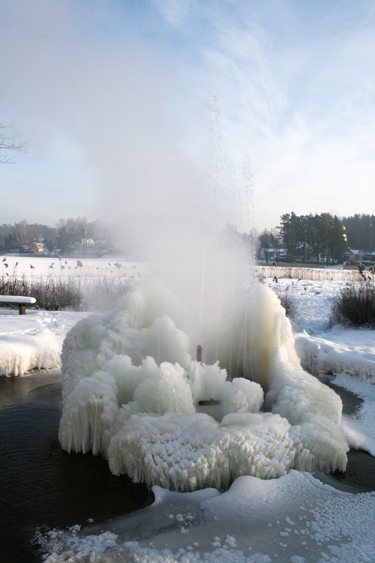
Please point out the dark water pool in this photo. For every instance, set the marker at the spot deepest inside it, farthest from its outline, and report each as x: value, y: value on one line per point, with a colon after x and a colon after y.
x: 360, y: 470
x: 43, y: 486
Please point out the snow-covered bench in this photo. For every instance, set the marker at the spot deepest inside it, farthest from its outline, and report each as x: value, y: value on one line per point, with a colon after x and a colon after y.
x: 21, y: 300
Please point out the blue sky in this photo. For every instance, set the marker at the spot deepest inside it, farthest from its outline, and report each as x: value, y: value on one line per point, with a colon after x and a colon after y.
x: 115, y: 101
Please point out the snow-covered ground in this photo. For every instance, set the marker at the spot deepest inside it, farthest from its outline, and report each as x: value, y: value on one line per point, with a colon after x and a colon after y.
x: 294, y: 519
x: 33, y: 341
x: 347, y: 354
x: 321, y: 348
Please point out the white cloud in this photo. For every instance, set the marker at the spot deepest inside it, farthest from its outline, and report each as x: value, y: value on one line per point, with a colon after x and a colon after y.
x: 174, y: 11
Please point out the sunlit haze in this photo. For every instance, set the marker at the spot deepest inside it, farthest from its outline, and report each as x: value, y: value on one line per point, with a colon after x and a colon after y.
x: 116, y: 102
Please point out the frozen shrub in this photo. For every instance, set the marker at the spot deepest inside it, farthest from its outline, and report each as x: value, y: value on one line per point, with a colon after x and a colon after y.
x: 57, y: 294
x: 354, y: 306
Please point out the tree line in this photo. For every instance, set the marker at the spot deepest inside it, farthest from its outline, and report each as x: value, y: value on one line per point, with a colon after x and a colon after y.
x: 308, y: 237
x: 317, y: 237
x: 298, y: 237
x: 360, y: 231
x: 64, y: 237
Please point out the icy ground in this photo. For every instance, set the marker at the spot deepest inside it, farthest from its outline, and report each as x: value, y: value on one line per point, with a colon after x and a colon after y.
x: 293, y: 519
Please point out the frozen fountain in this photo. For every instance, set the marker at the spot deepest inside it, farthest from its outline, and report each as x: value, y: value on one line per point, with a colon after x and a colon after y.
x: 134, y: 393
x: 145, y: 415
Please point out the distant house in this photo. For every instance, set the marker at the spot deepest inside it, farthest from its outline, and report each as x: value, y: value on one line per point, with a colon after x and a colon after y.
x: 273, y: 254
x: 368, y: 256
x: 353, y: 256
x: 357, y: 256
x: 38, y: 247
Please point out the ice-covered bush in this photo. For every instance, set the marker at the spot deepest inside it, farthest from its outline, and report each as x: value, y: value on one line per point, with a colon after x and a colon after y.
x: 355, y: 306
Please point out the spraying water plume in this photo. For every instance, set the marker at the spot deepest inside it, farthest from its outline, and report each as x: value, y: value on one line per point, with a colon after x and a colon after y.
x: 133, y: 392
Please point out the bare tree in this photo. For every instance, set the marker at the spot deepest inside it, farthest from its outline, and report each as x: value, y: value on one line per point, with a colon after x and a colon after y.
x: 9, y: 142
x: 21, y: 233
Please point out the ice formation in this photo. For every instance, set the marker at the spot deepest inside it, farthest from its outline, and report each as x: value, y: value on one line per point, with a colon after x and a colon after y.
x: 132, y: 393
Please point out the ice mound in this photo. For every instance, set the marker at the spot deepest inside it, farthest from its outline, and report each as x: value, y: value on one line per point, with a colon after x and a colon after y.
x: 131, y: 393
x: 141, y: 327
x: 241, y: 395
x: 89, y: 410
x: 189, y: 452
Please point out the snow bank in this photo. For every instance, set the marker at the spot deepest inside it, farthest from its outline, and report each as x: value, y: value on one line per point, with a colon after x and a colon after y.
x: 32, y: 341
x: 25, y: 353
x: 131, y: 392
x: 339, y: 352
x: 359, y: 429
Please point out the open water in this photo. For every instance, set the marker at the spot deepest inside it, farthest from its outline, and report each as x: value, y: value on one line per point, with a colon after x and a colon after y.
x: 41, y: 485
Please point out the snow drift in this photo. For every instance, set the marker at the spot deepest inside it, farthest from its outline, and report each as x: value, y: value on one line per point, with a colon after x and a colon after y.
x: 33, y: 341
x: 337, y: 353
x: 132, y: 393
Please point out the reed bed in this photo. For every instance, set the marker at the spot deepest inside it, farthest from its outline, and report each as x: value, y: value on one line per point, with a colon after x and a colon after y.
x: 314, y: 274
x: 55, y: 293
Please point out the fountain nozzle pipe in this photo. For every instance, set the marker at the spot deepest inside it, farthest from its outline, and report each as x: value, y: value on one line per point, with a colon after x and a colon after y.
x: 199, y: 353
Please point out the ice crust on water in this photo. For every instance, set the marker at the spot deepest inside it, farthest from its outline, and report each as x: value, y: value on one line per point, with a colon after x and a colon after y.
x: 130, y: 393
x: 294, y: 519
